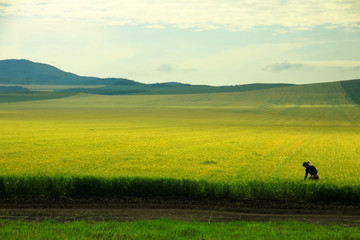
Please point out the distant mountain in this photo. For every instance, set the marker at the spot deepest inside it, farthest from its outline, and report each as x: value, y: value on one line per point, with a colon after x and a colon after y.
x: 16, y: 76
x: 25, y: 72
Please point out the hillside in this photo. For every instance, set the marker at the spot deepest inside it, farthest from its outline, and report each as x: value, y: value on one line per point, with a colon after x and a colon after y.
x: 352, y: 90
x: 13, y: 89
x: 320, y: 94
x: 26, y: 72
x: 163, y: 88
x: 310, y: 95
x: 18, y: 76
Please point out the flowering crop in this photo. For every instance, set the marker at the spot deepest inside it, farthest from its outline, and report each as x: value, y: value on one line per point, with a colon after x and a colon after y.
x: 214, y: 139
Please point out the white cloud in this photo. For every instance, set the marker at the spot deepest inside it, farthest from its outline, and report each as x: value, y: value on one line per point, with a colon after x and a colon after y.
x: 169, y: 68
x: 332, y: 63
x: 4, y: 4
x: 236, y: 57
x: 165, y: 68
x: 296, y: 65
x: 276, y: 67
x: 198, y: 14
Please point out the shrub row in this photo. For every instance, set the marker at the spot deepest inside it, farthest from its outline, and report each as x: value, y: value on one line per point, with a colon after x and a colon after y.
x: 91, y: 186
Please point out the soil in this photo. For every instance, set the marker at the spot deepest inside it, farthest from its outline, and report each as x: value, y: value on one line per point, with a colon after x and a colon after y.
x: 205, y: 210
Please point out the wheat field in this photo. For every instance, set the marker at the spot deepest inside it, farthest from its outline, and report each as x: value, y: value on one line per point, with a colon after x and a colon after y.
x: 212, y: 137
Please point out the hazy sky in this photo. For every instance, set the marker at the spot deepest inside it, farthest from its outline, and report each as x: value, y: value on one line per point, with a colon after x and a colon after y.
x: 216, y: 42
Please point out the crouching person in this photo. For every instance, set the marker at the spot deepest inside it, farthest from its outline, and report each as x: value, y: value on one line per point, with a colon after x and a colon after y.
x: 309, y: 169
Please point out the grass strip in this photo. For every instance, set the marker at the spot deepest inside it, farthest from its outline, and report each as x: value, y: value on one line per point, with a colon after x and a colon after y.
x: 169, y: 229
x: 92, y: 186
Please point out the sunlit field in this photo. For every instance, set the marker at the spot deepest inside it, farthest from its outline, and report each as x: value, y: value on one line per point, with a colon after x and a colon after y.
x: 233, y: 138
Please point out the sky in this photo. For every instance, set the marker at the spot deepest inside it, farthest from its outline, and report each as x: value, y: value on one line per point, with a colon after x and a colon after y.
x: 213, y: 42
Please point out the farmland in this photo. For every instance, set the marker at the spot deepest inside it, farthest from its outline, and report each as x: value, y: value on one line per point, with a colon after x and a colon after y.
x: 239, y: 146
x: 227, y: 143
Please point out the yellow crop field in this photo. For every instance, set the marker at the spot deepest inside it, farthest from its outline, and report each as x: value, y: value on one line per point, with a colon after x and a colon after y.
x: 229, y: 138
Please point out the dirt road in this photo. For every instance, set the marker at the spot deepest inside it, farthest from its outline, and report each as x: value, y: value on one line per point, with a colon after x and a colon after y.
x: 129, y: 209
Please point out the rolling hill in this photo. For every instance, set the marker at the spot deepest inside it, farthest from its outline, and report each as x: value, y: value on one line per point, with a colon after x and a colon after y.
x: 310, y: 95
x: 352, y: 90
x: 27, y: 73
x: 17, y: 75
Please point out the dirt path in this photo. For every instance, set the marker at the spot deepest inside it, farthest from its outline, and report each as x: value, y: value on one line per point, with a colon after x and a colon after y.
x: 178, y: 209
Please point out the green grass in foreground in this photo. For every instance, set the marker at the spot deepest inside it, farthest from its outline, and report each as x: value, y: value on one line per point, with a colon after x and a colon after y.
x: 169, y: 229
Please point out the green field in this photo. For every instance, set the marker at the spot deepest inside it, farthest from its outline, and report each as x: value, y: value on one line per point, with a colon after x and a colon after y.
x: 242, y: 144
x: 168, y: 229
x: 6, y: 97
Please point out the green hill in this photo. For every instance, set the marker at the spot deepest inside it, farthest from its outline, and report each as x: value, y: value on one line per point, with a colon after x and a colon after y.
x: 352, y: 90
x: 26, y: 72
x: 309, y: 95
x: 24, y: 96
x: 320, y: 94
x: 163, y: 88
x: 16, y: 75
x: 13, y: 89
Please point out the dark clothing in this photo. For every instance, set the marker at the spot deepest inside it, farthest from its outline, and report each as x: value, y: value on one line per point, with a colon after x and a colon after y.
x: 310, y: 170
